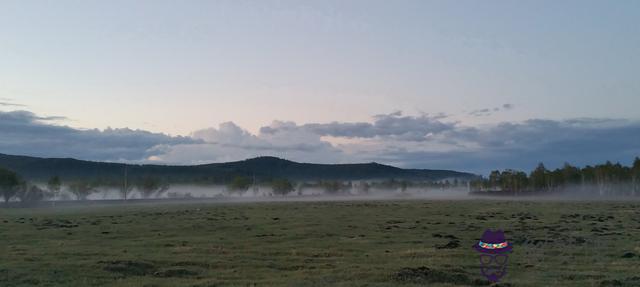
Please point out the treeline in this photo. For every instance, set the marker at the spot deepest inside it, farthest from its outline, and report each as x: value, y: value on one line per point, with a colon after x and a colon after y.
x: 338, y: 187
x: 14, y: 187
x: 602, y: 179
x: 242, y: 184
x: 262, y: 168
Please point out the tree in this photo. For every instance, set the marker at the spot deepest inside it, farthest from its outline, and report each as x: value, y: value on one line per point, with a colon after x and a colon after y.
x: 240, y: 184
x: 364, y: 187
x: 521, y: 181
x: 81, y: 189
x: 571, y: 174
x: 126, y: 188
x: 513, y: 180
x: 9, y: 184
x: 53, y: 186
x: 603, y: 177
x: 494, y: 179
x: 588, y: 177
x: 331, y: 187
x: 403, y: 185
x: 149, y: 186
x: 635, y: 176
x: 539, y: 178
x: 281, y: 186
x: 30, y: 195
x: 606, y: 179
x: 21, y: 190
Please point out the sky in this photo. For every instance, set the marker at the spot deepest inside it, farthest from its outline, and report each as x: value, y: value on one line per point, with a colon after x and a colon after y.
x: 466, y: 85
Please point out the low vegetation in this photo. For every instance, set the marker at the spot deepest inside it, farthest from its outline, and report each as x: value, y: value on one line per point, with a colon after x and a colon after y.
x: 358, y: 243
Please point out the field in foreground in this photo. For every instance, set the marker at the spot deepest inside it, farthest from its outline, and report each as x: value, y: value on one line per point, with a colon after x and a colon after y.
x: 369, y: 243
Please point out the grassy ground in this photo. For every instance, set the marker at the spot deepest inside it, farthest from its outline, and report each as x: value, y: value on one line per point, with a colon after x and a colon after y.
x: 318, y: 244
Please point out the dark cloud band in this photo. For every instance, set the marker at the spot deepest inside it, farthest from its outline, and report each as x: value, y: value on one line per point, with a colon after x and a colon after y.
x: 409, y: 141
x: 23, y: 132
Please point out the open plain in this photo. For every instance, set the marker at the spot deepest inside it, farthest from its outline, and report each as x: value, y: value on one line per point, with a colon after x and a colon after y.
x: 332, y: 243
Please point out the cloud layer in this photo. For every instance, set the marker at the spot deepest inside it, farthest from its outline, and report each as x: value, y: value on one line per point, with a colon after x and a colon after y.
x: 391, y: 126
x: 421, y: 141
x: 24, y: 133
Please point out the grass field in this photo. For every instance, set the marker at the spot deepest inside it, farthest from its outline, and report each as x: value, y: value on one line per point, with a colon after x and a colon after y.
x: 352, y: 243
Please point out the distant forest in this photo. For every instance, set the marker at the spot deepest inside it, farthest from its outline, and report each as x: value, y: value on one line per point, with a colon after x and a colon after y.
x: 270, y: 174
x: 606, y: 179
x: 261, y: 168
x: 29, y: 180
x: 27, y: 193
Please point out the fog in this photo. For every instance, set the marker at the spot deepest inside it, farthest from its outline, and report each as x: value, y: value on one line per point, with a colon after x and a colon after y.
x: 265, y: 193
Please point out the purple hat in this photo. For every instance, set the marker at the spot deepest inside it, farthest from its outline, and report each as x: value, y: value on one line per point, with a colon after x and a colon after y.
x: 493, y: 242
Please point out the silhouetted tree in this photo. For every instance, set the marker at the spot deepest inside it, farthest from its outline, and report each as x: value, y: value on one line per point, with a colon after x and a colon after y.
x: 571, y: 175
x: 539, y: 178
x: 281, y: 186
x: 150, y: 186
x: 53, y: 186
x: 635, y: 177
x: 30, y: 195
x: 494, y: 179
x: 126, y: 187
x: 9, y: 184
x: 81, y: 189
x: 403, y: 185
x: 240, y: 184
x: 605, y: 179
x: 364, y: 187
x: 331, y: 187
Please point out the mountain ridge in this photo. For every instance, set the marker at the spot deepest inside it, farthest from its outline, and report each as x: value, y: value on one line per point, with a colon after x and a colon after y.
x: 264, y: 167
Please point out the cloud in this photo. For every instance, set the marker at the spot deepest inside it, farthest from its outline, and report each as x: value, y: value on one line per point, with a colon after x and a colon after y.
x: 490, y: 111
x: 5, y: 102
x: 420, y: 141
x: 522, y: 145
x: 394, y: 125
x: 426, y: 142
x: 25, y: 133
x: 229, y: 142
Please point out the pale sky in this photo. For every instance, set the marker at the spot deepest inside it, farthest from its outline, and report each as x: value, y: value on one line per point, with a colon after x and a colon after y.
x: 176, y: 67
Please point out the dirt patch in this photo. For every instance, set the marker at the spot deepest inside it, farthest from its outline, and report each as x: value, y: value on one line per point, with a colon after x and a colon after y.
x: 176, y: 272
x: 191, y: 263
x: 424, y: 275
x: 607, y: 283
x: 129, y: 268
x: 450, y: 245
x: 60, y: 223
x: 629, y: 281
x: 629, y: 255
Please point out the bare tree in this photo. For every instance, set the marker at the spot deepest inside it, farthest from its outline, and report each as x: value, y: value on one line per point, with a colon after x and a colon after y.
x: 635, y: 176
x: 30, y: 195
x: 151, y: 186
x: 126, y: 188
x: 53, y: 187
x: 81, y: 189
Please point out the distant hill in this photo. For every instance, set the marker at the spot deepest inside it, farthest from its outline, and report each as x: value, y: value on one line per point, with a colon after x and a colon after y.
x: 263, y: 168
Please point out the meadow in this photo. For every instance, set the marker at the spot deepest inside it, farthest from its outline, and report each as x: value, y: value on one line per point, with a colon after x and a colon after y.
x: 332, y: 243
